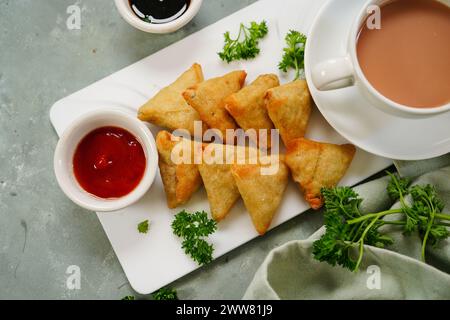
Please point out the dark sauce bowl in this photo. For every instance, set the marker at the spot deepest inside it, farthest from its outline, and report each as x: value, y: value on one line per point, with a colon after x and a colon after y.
x: 158, y: 26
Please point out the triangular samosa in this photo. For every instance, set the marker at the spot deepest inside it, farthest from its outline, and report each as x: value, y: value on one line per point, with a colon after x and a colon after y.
x: 208, y: 99
x: 289, y: 108
x: 168, y: 109
x: 215, y: 170
x: 316, y: 165
x: 216, y: 174
x: 248, y: 109
x: 180, y: 180
x: 262, y: 192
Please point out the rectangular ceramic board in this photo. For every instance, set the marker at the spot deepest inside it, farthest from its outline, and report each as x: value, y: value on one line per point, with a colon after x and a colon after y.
x: 155, y: 259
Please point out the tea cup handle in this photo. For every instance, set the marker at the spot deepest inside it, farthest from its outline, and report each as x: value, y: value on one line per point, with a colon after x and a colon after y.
x: 333, y: 74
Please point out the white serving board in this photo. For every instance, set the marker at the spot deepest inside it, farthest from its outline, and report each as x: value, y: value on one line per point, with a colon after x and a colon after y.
x: 154, y: 260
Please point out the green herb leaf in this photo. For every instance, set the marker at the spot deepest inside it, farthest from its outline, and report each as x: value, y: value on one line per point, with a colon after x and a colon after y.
x: 193, y: 228
x: 245, y: 46
x: 143, y: 226
x: 128, y: 298
x: 397, y: 187
x: 199, y: 250
x: 348, y: 230
x: 294, y: 53
x: 165, y: 294
x: 337, y: 244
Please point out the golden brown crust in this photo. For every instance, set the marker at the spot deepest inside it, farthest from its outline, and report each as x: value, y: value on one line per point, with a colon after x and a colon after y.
x: 289, y: 108
x: 215, y: 170
x: 220, y: 187
x: 262, y: 192
x: 316, y: 165
x: 247, y: 106
x: 168, y: 109
x: 180, y: 180
x: 207, y: 98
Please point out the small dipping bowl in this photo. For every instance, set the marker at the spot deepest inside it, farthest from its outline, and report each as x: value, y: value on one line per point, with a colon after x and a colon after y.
x: 69, y: 141
x: 124, y: 8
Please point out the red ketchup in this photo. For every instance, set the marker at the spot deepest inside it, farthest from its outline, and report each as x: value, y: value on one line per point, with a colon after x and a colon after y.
x: 109, y: 162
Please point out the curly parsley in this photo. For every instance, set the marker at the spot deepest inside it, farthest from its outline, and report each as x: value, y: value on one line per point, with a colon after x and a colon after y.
x: 193, y: 228
x: 245, y: 46
x: 143, y: 226
x: 347, y: 228
x: 165, y: 294
x: 294, y: 53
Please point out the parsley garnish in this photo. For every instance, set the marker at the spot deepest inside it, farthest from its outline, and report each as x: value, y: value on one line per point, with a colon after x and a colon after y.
x: 193, y: 228
x: 294, y: 53
x: 348, y: 229
x: 161, y: 294
x: 245, y: 46
x: 143, y: 226
x: 165, y: 294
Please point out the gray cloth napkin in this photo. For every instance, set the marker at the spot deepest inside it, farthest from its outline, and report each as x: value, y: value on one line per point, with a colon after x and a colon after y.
x: 291, y: 272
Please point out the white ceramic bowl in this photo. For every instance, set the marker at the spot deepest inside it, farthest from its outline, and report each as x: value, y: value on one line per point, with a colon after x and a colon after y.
x: 127, y: 13
x: 65, y: 149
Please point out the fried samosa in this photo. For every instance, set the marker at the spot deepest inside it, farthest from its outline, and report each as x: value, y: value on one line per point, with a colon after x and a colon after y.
x: 180, y: 180
x: 207, y: 98
x: 215, y: 170
x: 220, y: 187
x: 248, y: 109
x: 262, y: 193
x: 289, y: 108
x: 168, y: 109
x: 316, y: 165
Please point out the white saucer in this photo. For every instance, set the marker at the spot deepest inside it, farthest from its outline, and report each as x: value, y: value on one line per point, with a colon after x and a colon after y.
x: 351, y: 114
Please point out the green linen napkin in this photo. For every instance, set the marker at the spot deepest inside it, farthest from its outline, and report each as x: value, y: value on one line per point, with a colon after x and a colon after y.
x: 291, y: 272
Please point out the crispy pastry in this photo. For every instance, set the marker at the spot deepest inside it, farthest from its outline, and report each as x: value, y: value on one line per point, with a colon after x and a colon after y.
x: 180, y: 180
x: 316, y: 165
x: 220, y: 187
x: 289, y: 108
x: 168, y: 109
x: 247, y: 106
x: 208, y: 99
x: 262, y: 193
x: 215, y: 170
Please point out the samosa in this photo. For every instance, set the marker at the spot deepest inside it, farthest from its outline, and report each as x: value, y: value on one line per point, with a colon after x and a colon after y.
x: 315, y: 165
x: 248, y: 109
x: 289, y: 108
x: 261, y: 191
x: 182, y: 179
x: 207, y: 98
x: 168, y: 109
x: 215, y: 170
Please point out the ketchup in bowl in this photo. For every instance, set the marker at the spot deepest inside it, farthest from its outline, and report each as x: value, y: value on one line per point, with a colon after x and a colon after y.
x: 109, y: 162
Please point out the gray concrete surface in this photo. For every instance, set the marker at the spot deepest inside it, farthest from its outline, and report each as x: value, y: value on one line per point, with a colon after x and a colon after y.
x: 41, y: 231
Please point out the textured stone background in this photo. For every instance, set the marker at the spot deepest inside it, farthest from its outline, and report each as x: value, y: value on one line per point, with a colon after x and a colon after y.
x: 41, y: 231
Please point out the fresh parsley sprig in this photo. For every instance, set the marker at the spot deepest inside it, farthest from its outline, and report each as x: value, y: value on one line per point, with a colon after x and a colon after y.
x: 161, y: 294
x: 294, y: 53
x: 245, y: 46
x: 348, y: 230
x: 193, y: 228
x: 165, y: 294
x: 143, y: 226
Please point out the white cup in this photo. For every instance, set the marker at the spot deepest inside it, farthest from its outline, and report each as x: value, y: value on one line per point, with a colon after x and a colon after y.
x: 65, y: 149
x: 345, y: 71
x: 129, y: 16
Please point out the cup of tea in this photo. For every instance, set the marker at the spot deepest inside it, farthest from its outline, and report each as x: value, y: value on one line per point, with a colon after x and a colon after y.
x: 397, y: 56
x: 158, y: 16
